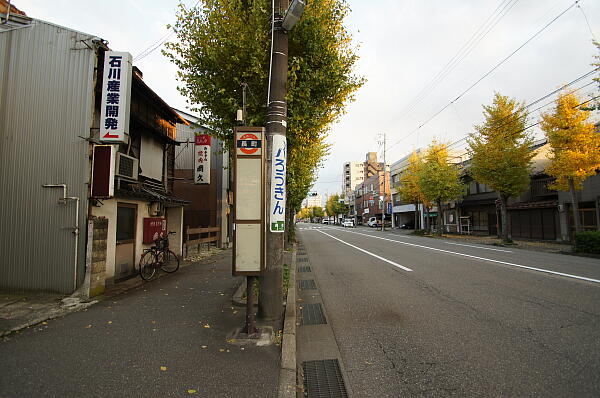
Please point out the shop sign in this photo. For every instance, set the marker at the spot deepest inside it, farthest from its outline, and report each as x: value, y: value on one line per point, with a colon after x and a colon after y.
x: 202, y: 159
x: 278, y: 188
x: 116, y: 97
x: 154, y: 228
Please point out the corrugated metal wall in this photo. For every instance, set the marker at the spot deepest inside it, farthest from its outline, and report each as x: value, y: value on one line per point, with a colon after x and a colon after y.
x: 46, y: 94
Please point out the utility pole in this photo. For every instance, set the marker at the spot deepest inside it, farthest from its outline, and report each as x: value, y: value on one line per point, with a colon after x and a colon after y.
x: 270, y: 301
x: 384, y: 204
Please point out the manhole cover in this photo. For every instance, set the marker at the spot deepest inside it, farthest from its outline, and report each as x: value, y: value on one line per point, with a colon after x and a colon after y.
x: 305, y: 268
x: 312, y: 314
x: 307, y: 284
x: 323, y: 379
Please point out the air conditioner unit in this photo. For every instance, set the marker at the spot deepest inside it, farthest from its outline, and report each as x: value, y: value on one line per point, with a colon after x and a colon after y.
x: 126, y: 166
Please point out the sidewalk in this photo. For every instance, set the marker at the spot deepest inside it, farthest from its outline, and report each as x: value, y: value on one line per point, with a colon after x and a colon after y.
x: 541, y: 246
x: 168, y: 337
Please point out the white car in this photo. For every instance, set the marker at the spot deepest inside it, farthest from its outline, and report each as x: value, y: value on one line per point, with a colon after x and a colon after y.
x: 348, y: 222
x: 373, y: 222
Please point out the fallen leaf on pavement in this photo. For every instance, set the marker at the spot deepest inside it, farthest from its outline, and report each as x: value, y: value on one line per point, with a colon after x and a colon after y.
x: 88, y: 326
x: 207, y: 326
x: 204, y: 346
x: 109, y: 322
x: 190, y: 391
x: 163, y: 368
x: 221, y: 350
x: 44, y: 323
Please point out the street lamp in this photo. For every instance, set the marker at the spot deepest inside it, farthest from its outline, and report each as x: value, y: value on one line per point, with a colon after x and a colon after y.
x: 293, y: 14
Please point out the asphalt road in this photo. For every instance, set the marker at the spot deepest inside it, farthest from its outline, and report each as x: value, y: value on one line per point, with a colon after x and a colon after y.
x: 416, y: 316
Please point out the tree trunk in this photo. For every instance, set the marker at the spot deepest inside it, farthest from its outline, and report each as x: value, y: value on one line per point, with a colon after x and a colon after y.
x: 427, y: 220
x: 290, y: 227
x: 504, y: 221
x: 416, y: 215
x: 575, y: 206
x: 440, y: 219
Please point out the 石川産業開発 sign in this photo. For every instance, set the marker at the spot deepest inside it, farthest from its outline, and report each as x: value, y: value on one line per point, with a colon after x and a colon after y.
x: 116, y: 97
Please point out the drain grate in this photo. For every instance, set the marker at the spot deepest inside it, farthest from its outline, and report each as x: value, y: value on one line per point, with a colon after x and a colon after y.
x: 303, y: 260
x: 307, y: 284
x: 305, y: 268
x: 323, y: 379
x: 312, y: 314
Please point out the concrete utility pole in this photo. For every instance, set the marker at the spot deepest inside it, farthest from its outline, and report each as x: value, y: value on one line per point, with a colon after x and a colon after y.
x: 270, y: 303
x: 383, y: 195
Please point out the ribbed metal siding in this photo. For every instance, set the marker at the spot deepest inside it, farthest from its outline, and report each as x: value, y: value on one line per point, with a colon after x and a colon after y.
x: 46, y: 89
x: 184, y: 153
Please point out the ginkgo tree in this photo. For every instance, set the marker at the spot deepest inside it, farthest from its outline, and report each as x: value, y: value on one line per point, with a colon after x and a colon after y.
x: 501, y: 153
x: 439, y: 179
x: 575, y: 147
x: 409, y: 187
x: 224, y: 43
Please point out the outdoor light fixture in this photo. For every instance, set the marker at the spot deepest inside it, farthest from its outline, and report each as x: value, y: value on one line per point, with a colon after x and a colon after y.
x: 293, y: 14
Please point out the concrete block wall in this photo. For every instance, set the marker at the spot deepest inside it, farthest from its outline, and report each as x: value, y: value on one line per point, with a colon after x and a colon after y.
x: 98, y: 266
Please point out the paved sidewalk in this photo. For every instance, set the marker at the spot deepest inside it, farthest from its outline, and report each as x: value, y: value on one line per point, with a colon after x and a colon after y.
x: 169, y: 337
x: 541, y: 246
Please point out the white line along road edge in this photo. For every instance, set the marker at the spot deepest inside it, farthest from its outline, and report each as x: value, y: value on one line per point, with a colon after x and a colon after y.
x: 369, y: 253
x: 583, y: 278
x: 479, y: 247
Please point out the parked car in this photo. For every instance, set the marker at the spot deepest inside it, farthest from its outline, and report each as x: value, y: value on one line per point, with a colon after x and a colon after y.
x: 374, y: 222
x: 325, y: 221
x: 348, y: 222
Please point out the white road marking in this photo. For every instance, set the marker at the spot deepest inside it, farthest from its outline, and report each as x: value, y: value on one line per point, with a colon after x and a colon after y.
x: 369, y: 253
x: 482, y: 258
x: 479, y: 247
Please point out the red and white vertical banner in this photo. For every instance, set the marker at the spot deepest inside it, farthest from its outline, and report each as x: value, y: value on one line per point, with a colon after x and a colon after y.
x: 116, y: 97
x: 202, y: 159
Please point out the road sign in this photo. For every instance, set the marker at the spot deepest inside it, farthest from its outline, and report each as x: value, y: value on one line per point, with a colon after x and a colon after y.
x: 248, y: 143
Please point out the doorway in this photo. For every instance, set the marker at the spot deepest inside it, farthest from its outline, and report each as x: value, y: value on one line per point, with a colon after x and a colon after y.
x: 125, y: 250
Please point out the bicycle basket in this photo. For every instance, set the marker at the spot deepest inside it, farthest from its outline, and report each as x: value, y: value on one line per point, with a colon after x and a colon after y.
x: 160, y: 243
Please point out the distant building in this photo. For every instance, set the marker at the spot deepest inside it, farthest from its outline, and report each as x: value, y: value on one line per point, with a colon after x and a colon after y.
x: 313, y: 200
x: 353, y: 173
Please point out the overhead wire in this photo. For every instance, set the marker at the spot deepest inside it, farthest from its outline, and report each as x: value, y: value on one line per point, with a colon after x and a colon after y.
x: 462, y: 53
x: 157, y: 44
x: 485, y: 75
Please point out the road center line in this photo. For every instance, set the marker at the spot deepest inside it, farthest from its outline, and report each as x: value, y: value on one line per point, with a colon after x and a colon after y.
x: 479, y: 247
x: 369, y: 253
x: 479, y: 258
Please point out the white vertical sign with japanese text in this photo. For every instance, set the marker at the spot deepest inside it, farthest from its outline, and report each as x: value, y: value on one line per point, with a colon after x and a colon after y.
x: 202, y: 159
x: 278, y: 186
x: 116, y: 97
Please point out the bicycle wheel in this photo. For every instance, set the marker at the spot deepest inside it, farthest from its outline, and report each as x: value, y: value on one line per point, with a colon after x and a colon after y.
x: 148, y: 265
x: 169, y: 262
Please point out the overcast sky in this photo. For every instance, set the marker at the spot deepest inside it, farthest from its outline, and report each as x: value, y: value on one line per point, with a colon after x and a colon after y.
x: 402, y: 46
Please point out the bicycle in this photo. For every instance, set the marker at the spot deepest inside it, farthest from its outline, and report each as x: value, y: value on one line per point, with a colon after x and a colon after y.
x: 158, y: 256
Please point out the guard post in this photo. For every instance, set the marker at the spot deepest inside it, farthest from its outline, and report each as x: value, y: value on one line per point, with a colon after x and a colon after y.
x: 249, y: 213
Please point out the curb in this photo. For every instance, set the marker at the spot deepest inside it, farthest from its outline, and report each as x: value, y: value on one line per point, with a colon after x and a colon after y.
x: 53, y: 313
x: 287, y: 373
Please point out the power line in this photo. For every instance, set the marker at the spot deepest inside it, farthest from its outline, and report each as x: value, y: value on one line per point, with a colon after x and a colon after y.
x: 157, y: 44
x: 587, y: 22
x: 486, y: 74
x: 462, y: 53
